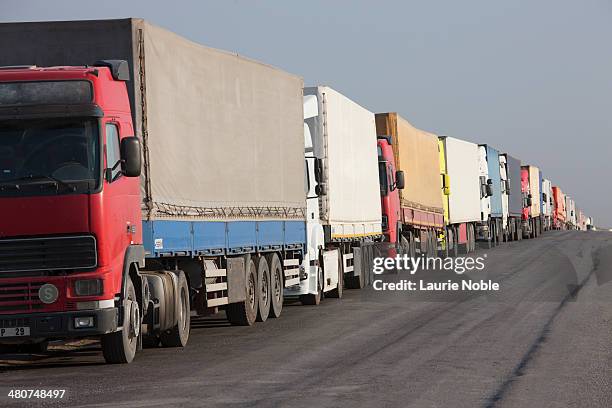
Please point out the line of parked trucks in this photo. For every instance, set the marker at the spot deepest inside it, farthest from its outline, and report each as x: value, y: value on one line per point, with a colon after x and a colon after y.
x: 145, y: 178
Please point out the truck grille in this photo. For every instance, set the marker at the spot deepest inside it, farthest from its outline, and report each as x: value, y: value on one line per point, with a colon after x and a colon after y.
x: 20, y: 297
x: 48, y: 254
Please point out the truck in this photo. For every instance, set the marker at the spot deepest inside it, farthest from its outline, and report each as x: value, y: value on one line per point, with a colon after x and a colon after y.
x: 570, y: 208
x: 512, y: 196
x: 462, y: 190
x: 581, y: 219
x: 344, y: 150
x: 391, y: 182
x: 547, y: 204
x: 491, y: 227
x: 419, y: 221
x: 532, y: 208
x: 147, y: 178
x: 590, y: 224
x: 559, y: 213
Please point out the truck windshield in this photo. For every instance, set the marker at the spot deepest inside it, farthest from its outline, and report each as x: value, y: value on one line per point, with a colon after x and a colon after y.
x: 49, y: 156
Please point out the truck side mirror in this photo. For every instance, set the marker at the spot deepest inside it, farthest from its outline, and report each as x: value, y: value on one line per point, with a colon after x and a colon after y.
x: 508, y: 186
x: 131, y: 156
x: 529, y: 201
x: 318, y: 170
x: 320, y: 190
x: 446, y: 184
x: 399, y: 179
x: 489, y: 189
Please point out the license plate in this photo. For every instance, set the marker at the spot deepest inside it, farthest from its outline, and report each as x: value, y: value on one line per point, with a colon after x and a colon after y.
x: 14, y: 331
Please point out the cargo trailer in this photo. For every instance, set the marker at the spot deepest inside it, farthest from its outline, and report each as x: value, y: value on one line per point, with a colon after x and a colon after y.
x: 462, y: 175
x: 570, y: 208
x: 490, y: 228
x: 414, y: 152
x: 559, y: 212
x: 178, y: 183
x: 343, y: 138
x: 547, y: 204
x: 532, y: 210
x: 512, y: 196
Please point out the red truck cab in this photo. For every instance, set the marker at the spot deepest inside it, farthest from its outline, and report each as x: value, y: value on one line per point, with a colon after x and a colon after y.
x: 391, y: 181
x: 527, y: 227
x: 70, y: 202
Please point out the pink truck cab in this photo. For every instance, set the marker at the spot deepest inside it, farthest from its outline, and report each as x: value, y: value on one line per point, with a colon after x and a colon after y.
x: 391, y: 181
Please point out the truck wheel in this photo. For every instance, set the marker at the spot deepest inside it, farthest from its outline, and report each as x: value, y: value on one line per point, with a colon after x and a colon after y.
x: 277, y: 285
x: 179, y: 334
x: 313, y: 300
x: 120, y: 347
x: 263, y: 289
x: 245, y: 313
x: 337, y: 293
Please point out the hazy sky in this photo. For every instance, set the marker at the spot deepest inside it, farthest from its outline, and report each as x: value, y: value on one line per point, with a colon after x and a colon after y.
x: 531, y: 77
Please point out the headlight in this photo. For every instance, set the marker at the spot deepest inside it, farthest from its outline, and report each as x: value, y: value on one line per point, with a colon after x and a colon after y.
x: 88, y: 287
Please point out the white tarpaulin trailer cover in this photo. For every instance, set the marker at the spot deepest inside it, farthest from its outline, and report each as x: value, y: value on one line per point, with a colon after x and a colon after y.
x: 223, y: 135
x: 345, y: 137
x: 462, y: 167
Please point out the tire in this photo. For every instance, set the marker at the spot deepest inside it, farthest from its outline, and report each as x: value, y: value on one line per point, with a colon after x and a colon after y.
x: 455, y: 251
x: 245, y: 313
x: 337, y: 293
x: 277, y: 285
x: 120, y: 347
x: 178, y: 336
x: 263, y: 289
x: 314, y: 300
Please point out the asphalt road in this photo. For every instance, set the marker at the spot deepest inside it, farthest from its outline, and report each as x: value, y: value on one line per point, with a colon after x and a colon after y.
x: 543, y: 340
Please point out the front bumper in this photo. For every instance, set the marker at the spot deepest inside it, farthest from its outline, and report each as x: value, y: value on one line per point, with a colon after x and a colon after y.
x: 59, y: 325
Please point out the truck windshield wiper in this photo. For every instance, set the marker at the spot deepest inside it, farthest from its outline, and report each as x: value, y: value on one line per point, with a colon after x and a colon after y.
x: 57, y: 182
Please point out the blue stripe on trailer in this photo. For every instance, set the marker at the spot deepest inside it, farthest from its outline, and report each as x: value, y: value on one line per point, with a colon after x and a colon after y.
x: 209, y: 238
x: 241, y: 237
x: 194, y: 238
x: 270, y: 235
x: 295, y: 233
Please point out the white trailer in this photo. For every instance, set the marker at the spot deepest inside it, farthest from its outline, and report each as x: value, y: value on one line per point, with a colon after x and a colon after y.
x: 461, y: 159
x: 344, y: 151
